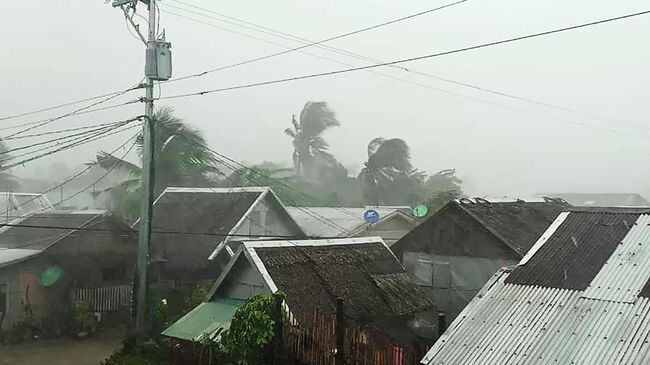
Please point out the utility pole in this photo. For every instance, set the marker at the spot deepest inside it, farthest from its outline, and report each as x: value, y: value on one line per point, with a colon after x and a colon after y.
x: 157, y: 68
x: 146, y: 210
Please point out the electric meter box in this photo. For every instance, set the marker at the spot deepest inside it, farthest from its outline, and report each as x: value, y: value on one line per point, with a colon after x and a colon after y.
x: 159, y: 61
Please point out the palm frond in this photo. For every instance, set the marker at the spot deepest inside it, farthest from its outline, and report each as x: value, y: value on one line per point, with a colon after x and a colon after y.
x: 316, y: 117
x: 393, y: 153
x: 291, y: 133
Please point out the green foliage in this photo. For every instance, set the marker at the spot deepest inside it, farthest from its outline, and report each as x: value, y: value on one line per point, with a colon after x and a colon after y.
x: 83, y: 315
x: 150, y: 353
x: 181, y: 159
x: 251, y: 330
x: 197, y: 296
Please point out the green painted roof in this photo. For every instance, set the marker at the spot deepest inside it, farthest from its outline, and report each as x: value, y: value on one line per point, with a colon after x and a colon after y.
x: 206, y: 318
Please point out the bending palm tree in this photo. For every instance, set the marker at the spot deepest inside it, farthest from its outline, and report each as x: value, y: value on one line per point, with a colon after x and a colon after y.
x: 180, y: 160
x: 310, y: 149
x: 388, y: 176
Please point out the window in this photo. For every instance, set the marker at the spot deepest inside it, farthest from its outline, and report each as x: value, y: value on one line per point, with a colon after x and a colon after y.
x: 424, y: 272
x: 114, y: 273
x: 420, y: 267
x: 4, y: 297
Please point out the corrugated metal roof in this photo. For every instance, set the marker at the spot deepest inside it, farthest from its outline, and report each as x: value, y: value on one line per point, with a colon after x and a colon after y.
x: 204, y: 320
x: 10, y: 255
x: 520, y: 324
x: 605, y: 321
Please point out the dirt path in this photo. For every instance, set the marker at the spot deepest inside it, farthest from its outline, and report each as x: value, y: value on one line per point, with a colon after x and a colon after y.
x: 60, y: 352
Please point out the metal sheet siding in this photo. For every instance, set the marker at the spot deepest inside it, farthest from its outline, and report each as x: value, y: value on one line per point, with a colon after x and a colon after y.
x: 520, y: 324
x: 625, y: 273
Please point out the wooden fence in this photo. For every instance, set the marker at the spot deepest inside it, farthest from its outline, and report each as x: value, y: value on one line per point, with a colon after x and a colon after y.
x: 326, y: 339
x: 107, y: 299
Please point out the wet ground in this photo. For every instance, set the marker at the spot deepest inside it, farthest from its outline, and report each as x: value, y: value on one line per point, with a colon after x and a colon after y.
x: 60, y: 352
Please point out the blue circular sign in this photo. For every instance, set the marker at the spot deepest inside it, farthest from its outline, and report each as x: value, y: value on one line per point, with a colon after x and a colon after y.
x: 371, y: 216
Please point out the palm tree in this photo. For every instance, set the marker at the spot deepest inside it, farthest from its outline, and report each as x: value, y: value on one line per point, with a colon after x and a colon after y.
x: 310, y: 149
x: 181, y: 158
x: 388, y: 177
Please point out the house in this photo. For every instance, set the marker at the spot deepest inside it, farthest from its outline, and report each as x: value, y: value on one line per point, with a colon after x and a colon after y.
x: 457, y: 249
x: 363, y: 272
x: 15, y: 205
x: 602, y: 199
x: 580, y: 296
x: 190, y: 223
x: 50, y: 259
x: 330, y: 222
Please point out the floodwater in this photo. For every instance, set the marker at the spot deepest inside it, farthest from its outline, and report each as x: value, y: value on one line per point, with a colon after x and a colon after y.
x: 61, y: 352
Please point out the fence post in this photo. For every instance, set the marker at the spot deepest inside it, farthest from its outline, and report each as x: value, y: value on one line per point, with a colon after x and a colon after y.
x: 278, y: 331
x: 339, y: 359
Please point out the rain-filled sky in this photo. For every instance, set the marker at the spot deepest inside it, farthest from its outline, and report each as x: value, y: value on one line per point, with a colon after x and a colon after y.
x: 59, y: 51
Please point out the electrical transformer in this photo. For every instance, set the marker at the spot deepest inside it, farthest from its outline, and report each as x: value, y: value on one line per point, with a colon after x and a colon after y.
x: 159, y: 61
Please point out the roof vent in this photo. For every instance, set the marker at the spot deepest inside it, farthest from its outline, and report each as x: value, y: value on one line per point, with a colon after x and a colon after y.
x: 482, y: 201
x: 466, y: 201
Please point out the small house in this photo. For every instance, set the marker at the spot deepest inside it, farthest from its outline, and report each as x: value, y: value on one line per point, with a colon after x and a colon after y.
x: 581, y: 295
x: 363, y: 272
x: 329, y: 222
x: 50, y: 260
x: 457, y: 249
x: 190, y: 223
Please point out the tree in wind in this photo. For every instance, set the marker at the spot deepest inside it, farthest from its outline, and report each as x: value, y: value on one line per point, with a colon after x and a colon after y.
x: 310, y: 155
x: 181, y: 158
x: 388, y: 177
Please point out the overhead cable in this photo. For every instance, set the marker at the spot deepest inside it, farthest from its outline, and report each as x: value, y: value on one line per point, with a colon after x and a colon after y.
x: 405, y: 60
x: 322, y: 41
x: 78, y: 174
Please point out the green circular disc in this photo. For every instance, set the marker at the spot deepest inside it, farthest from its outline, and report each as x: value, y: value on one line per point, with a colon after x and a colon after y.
x: 420, y: 211
x: 51, y: 275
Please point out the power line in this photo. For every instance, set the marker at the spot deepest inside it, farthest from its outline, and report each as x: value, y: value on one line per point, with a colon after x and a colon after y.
x: 294, y: 38
x: 427, y: 86
x: 83, y: 137
x: 73, y: 177
x: 405, y: 60
x: 58, y: 131
x: 107, y: 172
x: 71, y: 145
x: 74, y: 112
x: 63, y: 138
x: 58, y: 106
x: 179, y: 233
x: 322, y: 41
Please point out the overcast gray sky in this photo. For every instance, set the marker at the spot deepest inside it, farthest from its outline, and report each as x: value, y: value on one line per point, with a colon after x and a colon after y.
x: 58, y: 51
